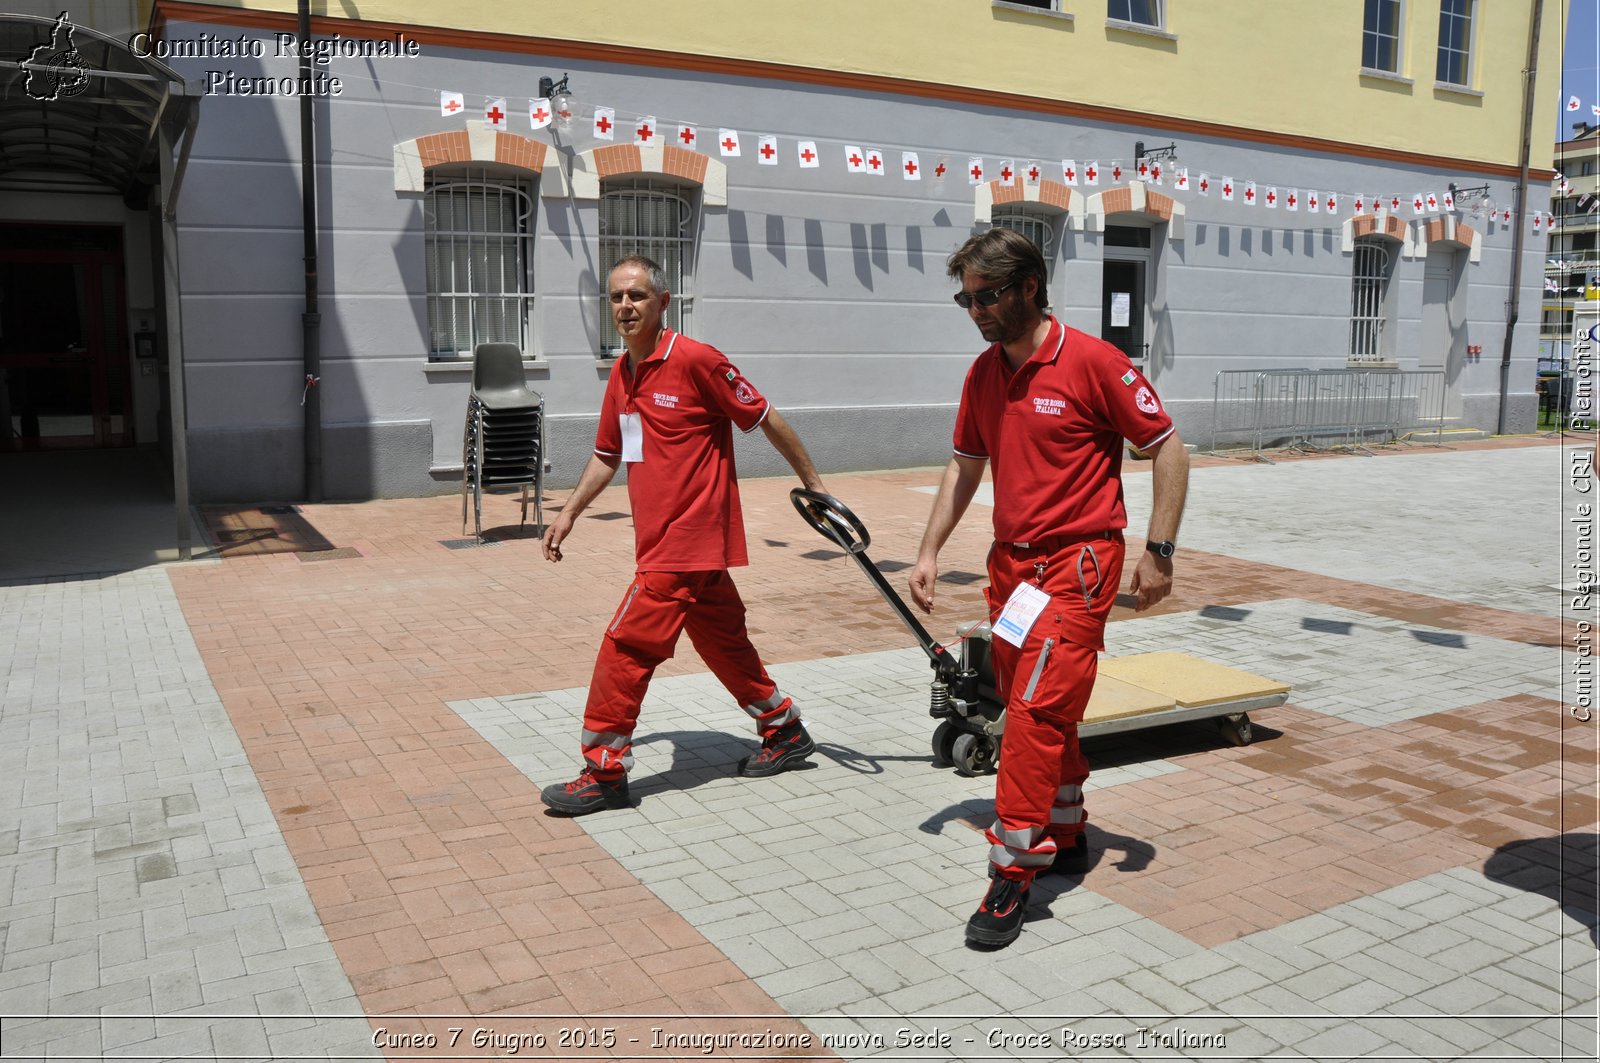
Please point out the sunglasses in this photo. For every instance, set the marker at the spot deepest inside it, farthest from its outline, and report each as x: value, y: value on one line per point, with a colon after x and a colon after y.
x: 984, y: 297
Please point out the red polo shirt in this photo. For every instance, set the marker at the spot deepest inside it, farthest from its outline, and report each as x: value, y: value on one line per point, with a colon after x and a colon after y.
x: 686, y: 515
x: 1053, y: 430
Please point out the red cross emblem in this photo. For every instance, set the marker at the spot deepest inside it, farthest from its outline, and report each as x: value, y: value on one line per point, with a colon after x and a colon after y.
x: 730, y: 144
x: 1227, y: 189
x: 855, y: 160
x: 540, y: 115
x: 1116, y: 173
x: 1205, y: 184
x: 1144, y: 169
x: 645, y: 132
x: 767, y: 151
x: 1005, y: 173
x: 938, y: 171
x: 1155, y: 174
x: 1272, y: 197
x: 496, y: 115
x: 1332, y: 202
x: 453, y: 105
x: 977, y: 173
x: 1072, y: 174
x: 603, y: 124
x: 1090, y: 173
x: 807, y: 155
x: 911, y: 167
x: 1292, y: 201
x: 687, y: 136
x: 1033, y: 173
x: 1249, y: 195
x: 874, y: 161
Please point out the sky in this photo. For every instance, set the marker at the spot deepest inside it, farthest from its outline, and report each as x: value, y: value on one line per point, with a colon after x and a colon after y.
x: 1580, y: 67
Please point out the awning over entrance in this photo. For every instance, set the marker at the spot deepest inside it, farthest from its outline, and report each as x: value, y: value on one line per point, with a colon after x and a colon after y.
x: 78, y: 107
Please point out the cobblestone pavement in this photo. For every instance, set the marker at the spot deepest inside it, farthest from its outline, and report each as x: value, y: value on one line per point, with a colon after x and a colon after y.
x: 285, y: 806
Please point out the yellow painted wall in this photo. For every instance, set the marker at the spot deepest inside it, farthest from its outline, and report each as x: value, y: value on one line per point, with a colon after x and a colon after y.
x: 1285, y: 66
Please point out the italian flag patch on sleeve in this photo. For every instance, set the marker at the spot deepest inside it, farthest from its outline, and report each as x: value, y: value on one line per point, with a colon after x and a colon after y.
x: 1127, y: 378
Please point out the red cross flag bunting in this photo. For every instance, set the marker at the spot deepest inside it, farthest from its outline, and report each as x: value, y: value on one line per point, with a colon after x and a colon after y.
x: 1505, y: 216
x: 1155, y: 174
x: 1182, y: 183
x: 1537, y: 220
x: 1069, y: 172
x: 495, y: 113
x: 854, y: 160
x: 451, y: 103
x: 605, y: 123
x: 875, y: 162
x: 645, y: 131
x: 809, y: 159
x: 1313, y: 202
x: 767, y: 150
x: 1271, y: 198
x: 1359, y: 202
x: 1418, y: 204
x: 1332, y: 203
x: 1116, y: 172
x: 1031, y: 174
x: 1008, y: 173
x: 1249, y: 193
x: 1572, y: 103
x: 1205, y: 184
x: 687, y: 136
x: 1433, y: 203
x: 940, y: 168
x: 1291, y: 202
x: 1227, y: 190
x: 910, y: 169
x: 1144, y: 170
x: 1394, y: 203
x: 539, y: 114
x: 975, y: 170
x: 1449, y: 201
x: 728, y: 143
x: 1091, y: 174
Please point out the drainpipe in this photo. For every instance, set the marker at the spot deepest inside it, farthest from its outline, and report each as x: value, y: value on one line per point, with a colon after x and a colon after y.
x: 311, y: 320
x: 1514, y: 299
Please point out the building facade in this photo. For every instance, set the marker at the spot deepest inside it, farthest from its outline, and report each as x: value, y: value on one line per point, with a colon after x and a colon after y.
x: 1230, y: 224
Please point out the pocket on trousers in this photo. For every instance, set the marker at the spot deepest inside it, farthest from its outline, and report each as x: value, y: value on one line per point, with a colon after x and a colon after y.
x: 650, y: 617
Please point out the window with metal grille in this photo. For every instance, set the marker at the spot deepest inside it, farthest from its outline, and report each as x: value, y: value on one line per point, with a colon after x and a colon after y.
x: 479, y: 247
x: 1380, y: 36
x: 1368, y: 307
x: 1038, y: 228
x: 642, y: 217
x: 1144, y: 12
x: 1455, y: 42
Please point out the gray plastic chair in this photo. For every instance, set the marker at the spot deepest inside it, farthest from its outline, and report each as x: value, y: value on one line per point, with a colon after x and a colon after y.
x: 503, y: 444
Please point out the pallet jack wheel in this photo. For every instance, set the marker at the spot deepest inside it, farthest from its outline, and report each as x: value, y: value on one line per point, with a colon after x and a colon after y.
x: 1236, y: 729
x: 944, y: 740
x: 972, y: 754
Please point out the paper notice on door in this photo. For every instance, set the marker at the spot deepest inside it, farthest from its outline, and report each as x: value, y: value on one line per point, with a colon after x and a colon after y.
x: 1120, y: 302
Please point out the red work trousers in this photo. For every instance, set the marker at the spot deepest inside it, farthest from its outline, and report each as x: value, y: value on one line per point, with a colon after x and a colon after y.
x: 1046, y: 684
x: 644, y: 632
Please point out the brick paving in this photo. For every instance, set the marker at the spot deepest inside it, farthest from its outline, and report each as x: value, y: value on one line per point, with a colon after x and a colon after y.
x: 270, y: 809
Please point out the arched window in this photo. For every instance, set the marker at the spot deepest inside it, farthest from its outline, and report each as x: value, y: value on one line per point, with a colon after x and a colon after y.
x: 1038, y: 227
x: 640, y: 216
x: 1369, y: 290
x: 479, y: 245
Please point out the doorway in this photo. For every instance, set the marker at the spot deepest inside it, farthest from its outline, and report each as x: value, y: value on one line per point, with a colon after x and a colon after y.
x: 1444, y: 318
x: 63, y: 359
x: 1124, y: 292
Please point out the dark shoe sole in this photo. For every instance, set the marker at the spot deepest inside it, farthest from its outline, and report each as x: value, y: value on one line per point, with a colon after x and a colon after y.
x: 792, y: 758
x: 978, y: 935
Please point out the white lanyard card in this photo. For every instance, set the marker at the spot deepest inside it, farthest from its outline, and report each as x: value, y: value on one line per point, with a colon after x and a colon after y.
x: 632, y: 436
x: 1022, y: 609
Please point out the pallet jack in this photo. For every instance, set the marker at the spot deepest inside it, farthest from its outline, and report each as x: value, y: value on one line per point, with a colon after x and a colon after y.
x: 1131, y: 693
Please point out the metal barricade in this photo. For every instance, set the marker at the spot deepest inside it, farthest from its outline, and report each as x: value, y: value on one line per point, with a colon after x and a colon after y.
x: 1326, y: 409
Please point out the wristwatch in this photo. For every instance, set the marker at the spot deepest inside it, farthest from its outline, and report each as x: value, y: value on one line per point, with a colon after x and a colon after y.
x: 1165, y: 548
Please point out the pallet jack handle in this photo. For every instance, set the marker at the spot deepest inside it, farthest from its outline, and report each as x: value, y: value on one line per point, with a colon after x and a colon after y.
x: 834, y: 521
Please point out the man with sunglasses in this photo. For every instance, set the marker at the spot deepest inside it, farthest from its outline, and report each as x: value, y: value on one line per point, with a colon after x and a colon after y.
x: 1047, y: 408
x: 669, y: 411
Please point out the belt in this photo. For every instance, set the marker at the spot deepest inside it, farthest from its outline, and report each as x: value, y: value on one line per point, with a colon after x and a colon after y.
x: 1052, y: 543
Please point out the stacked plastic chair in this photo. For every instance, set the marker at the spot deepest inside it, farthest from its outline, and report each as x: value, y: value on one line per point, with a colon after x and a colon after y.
x: 503, y: 446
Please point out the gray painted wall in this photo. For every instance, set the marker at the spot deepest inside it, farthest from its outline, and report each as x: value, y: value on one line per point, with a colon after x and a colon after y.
x: 827, y: 289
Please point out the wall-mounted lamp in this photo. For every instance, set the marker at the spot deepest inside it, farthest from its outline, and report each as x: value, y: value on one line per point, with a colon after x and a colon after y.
x: 1153, y: 157
x: 560, y: 97
x: 1474, y: 200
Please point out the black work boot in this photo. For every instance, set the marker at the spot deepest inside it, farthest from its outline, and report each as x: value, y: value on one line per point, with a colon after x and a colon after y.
x: 587, y: 793
x: 998, y: 919
x: 782, y: 749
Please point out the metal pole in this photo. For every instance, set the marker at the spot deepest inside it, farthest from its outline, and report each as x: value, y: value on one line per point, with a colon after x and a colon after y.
x: 1520, y: 226
x: 172, y: 292
x: 311, y: 320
